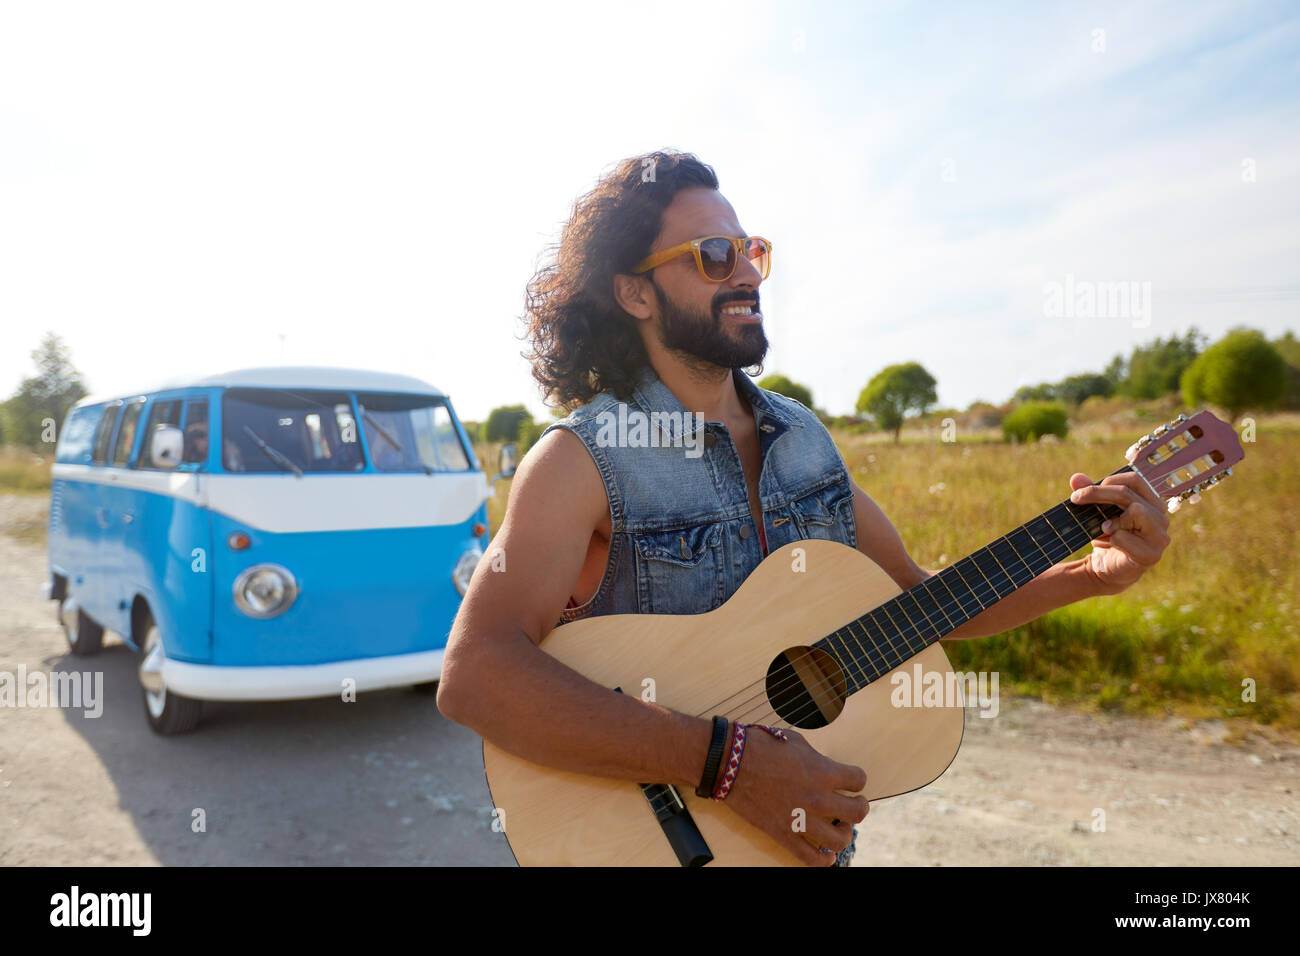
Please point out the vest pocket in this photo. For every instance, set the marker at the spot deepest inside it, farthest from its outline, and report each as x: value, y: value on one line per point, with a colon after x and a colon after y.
x: 680, y: 571
x: 827, y: 514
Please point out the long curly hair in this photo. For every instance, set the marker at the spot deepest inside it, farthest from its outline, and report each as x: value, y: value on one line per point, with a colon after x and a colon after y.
x: 583, y: 342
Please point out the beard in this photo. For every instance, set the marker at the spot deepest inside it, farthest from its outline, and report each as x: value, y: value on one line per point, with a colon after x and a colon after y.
x: 703, y: 337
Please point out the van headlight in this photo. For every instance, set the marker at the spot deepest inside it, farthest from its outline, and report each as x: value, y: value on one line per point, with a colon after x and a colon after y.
x: 265, y: 590
x: 464, y: 569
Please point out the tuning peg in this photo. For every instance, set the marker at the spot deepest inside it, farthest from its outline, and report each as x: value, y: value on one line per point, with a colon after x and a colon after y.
x: 1180, y: 419
x: 1174, y: 504
x: 1137, y: 446
x: 1227, y: 472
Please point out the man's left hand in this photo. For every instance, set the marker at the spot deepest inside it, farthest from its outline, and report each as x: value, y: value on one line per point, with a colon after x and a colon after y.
x: 1131, y: 542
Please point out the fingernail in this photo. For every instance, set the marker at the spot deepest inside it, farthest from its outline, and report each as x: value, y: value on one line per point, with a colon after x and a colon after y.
x: 1105, y: 526
x: 1074, y: 495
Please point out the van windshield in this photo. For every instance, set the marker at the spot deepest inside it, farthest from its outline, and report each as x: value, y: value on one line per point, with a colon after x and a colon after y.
x: 299, y: 431
x: 411, y: 433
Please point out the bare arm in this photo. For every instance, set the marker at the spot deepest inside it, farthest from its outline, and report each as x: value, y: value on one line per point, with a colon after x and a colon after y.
x: 497, y: 681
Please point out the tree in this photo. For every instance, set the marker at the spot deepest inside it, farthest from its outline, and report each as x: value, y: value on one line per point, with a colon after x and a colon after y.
x: 1075, y: 389
x: 896, y: 390
x: 783, y: 386
x: 1289, y: 348
x: 1042, y: 392
x: 1241, y: 371
x: 1032, y: 420
x: 503, y: 423
x: 45, y: 397
x: 1156, y: 369
x: 1116, y: 372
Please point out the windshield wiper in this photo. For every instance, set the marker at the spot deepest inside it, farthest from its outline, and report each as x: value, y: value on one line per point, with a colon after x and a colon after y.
x: 391, y: 440
x: 278, y: 457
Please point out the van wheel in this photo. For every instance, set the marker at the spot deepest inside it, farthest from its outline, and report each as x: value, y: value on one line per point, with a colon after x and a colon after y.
x: 429, y: 688
x: 167, y: 712
x: 85, y: 637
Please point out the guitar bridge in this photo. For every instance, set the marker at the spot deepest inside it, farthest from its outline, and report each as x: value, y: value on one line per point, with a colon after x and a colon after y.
x: 675, y: 820
x: 679, y: 828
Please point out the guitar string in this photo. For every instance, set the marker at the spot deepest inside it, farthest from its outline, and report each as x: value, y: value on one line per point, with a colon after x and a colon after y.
x: 906, y: 631
x: 982, y: 589
x: 912, y: 629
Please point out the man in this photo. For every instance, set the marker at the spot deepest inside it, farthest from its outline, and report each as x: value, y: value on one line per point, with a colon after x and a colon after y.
x: 635, y: 317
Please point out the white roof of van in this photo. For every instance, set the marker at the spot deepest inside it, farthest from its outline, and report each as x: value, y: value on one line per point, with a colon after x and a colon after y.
x: 289, y: 376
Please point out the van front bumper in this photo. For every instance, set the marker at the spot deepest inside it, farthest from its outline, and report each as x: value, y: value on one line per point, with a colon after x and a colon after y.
x: 300, y: 681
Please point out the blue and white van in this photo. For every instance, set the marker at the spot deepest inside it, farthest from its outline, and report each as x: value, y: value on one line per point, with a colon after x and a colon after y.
x: 266, y: 534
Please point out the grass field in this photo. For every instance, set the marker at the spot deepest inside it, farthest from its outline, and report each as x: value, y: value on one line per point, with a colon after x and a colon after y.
x: 23, y: 471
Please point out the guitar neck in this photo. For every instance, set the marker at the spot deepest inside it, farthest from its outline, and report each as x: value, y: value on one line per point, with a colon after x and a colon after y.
x: 875, y: 643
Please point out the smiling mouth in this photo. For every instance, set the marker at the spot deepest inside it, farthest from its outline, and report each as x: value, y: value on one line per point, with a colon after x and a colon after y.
x: 744, y: 310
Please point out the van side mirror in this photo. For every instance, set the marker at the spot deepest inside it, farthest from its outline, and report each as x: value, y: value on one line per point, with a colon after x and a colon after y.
x: 508, y: 462
x: 165, y: 446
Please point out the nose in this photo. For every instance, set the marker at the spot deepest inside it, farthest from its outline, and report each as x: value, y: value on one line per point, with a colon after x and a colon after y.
x: 746, y: 274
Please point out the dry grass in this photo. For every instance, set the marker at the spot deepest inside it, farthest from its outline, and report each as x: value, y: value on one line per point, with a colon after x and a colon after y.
x: 24, y: 471
x: 1219, y: 608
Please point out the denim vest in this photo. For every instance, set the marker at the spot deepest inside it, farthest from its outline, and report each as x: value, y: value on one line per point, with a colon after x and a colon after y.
x: 682, y: 534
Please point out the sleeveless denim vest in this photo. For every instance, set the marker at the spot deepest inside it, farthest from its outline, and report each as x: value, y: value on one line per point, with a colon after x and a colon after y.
x: 682, y: 534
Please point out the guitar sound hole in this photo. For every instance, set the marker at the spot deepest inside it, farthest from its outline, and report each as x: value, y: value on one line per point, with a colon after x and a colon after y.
x: 806, y: 687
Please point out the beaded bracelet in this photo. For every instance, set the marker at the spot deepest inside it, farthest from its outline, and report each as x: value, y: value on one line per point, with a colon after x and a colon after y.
x: 737, y: 751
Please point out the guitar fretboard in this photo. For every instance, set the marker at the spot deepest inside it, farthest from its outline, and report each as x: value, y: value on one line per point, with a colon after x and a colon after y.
x: 875, y: 643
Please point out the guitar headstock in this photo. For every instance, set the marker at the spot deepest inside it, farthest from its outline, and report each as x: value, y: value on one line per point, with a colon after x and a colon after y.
x: 1186, y: 456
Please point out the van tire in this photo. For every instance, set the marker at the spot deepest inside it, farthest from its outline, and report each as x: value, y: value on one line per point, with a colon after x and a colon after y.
x: 428, y: 688
x: 168, y: 713
x: 85, y: 637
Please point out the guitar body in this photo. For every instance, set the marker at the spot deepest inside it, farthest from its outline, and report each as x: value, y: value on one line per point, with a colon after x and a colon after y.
x: 698, y: 661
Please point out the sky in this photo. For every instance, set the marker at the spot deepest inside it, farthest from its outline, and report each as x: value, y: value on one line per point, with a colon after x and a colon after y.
x: 189, y: 188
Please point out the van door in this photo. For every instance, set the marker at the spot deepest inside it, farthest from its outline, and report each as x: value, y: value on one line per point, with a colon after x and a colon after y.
x: 93, y: 594
x: 119, y: 505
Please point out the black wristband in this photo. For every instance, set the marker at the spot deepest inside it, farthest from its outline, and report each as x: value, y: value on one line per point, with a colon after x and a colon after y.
x: 720, y: 727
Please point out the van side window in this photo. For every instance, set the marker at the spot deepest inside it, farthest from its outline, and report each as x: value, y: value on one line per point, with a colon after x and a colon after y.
x: 196, y: 431
x: 126, y: 434
x: 78, y: 436
x: 160, y: 413
x: 105, y: 432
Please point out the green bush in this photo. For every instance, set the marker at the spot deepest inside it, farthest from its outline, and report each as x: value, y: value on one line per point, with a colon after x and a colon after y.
x: 783, y: 386
x: 1033, y: 420
x: 1241, y: 371
x: 529, y: 432
x: 503, y: 423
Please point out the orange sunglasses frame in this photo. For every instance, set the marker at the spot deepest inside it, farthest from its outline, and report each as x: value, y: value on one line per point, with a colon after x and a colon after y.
x: 693, y: 246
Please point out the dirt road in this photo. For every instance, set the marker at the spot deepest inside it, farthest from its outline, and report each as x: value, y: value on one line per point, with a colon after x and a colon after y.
x: 386, y: 780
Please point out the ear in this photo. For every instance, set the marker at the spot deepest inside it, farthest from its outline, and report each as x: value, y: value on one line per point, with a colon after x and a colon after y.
x: 635, y: 296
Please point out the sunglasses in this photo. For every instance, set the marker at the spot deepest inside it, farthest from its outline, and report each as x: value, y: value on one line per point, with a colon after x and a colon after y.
x: 716, y: 256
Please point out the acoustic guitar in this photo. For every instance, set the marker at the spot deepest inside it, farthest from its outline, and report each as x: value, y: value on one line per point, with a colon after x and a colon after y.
x: 809, y: 641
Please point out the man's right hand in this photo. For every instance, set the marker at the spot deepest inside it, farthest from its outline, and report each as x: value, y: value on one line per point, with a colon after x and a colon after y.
x: 778, y: 778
